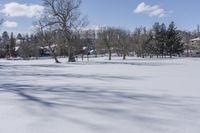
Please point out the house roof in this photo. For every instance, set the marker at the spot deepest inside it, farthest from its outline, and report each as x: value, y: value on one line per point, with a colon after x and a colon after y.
x: 195, y: 39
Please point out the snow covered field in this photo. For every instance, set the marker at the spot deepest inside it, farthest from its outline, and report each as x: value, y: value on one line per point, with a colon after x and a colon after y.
x: 100, y: 96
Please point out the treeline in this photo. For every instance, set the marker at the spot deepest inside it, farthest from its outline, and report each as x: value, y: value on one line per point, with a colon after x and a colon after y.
x: 38, y: 45
x: 158, y: 41
x: 23, y: 46
x: 60, y: 31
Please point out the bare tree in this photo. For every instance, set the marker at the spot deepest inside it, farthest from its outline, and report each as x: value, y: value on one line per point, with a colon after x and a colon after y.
x: 66, y: 17
x: 25, y: 47
x: 122, y: 40
x: 106, y: 37
x: 46, y: 37
x: 137, y: 44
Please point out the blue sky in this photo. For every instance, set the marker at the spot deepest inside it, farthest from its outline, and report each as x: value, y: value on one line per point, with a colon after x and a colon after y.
x: 120, y: 13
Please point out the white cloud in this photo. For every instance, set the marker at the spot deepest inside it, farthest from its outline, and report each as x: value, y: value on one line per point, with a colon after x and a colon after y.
x: 152, y: 11
x: 10, y: 24
x: 14, y: 9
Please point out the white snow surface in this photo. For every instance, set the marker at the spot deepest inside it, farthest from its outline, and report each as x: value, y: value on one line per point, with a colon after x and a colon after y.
x: 100, y: 96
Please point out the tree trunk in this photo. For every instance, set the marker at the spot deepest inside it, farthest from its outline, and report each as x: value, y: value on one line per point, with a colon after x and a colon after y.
x: 82, y: 56
x: 171, y: 50
x: 71, y: 58
x: 54, y: 55
x: 124, y: 55
x: 69, y: 54
x: 170, y: 54
x: 110, y: 54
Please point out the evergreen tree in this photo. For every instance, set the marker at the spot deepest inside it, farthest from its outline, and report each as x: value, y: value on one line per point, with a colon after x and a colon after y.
x: 163, y: 39
x: 157, y: 36
x: 5, y: 46
x: 151, y: 50
x: 12, y: 45
x: 174, y: 45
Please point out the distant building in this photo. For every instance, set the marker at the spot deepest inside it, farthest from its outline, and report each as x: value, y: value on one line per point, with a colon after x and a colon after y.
x: 193, y: 47
x: 195, y: 42
x: 88, y: 36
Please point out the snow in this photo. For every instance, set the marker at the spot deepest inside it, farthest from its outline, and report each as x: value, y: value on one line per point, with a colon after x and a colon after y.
x: 100, y: 96
x: 196, y: 39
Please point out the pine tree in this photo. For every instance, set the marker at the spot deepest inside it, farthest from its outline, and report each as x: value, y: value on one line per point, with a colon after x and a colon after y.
x: 163, y: 39
x: 12, y: 45
x: 151, y: 50
x: 156, y: 30
x: 174, y: 45
x: 5, y: 47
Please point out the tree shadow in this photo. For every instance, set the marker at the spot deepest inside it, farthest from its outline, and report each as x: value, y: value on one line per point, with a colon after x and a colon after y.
x: 138, y: 63
x: 79, y: 76
x: 133, y: 105
x: 102, y: 101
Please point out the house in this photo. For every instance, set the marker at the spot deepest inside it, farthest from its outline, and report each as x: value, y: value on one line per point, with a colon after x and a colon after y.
x: 195, y: 42
x: 193, y: 47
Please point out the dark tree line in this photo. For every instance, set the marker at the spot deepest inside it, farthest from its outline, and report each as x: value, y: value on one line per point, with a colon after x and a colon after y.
x: 7, y: 45
x: 60, y: 32
x: 158, y: 41
x: 167, y: 40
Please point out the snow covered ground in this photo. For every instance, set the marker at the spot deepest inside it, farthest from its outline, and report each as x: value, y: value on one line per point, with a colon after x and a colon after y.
x: 100, y: 96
